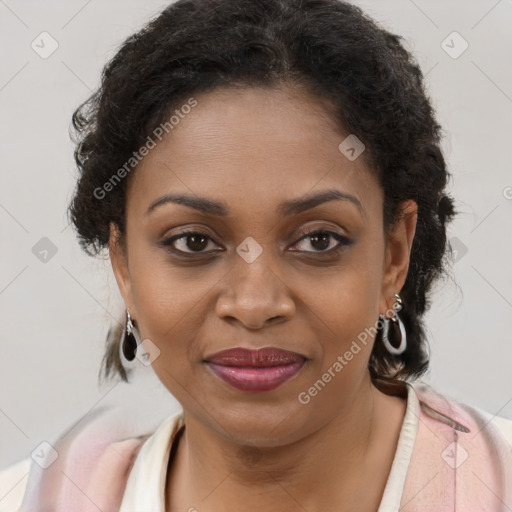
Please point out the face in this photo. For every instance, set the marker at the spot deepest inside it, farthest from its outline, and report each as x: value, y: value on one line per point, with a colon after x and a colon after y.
x: 253, y: 260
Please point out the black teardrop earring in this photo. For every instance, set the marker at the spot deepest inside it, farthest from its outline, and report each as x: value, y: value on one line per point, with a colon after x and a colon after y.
x: 129, y: 341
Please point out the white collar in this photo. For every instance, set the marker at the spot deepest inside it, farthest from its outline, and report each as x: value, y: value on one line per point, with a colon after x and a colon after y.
x: 393, y: 491
x: 145, y: 488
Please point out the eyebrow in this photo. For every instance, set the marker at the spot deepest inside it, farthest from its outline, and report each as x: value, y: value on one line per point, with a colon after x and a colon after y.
x: 286, y: 208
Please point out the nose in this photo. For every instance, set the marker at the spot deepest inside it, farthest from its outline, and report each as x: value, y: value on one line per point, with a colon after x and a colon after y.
x: 255, y: 296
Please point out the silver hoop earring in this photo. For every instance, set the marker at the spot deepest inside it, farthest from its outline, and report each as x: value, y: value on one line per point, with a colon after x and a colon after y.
x: 129, y: 342
x: 394, y: 328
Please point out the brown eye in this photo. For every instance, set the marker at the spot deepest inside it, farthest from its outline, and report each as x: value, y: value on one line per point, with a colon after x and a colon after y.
x: 188, y: 242
x: 321, y: 240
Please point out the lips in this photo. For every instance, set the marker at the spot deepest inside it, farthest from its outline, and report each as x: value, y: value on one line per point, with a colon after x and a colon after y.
x: 255, y: 370
x: 268, y: 356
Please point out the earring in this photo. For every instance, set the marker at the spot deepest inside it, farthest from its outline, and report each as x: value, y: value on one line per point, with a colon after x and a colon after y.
x: 130, y: 340
x: 393, y: 329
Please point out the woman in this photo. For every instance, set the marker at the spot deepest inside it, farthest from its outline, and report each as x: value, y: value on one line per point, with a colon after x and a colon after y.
x: 268, y: 180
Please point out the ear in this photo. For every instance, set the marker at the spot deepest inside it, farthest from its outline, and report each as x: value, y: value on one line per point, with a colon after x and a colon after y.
x: 397, y: 254
x: 119, y: 261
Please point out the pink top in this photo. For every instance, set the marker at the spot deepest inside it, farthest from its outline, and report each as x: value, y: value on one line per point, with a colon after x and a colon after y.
x: 450, y: 457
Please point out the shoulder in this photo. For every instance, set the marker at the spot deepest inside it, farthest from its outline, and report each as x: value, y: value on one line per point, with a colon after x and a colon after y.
x: 464, y: 453
x: 445, y: 408
x: 462, y: 456
x: 503, y: 425
x: 92, y: 458
x: 13, y: 481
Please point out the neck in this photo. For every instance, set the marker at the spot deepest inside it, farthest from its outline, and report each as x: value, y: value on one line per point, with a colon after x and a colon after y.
x: 328, y: 466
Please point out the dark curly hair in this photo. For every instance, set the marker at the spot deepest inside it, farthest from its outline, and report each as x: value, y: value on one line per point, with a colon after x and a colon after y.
x: 328, y: 47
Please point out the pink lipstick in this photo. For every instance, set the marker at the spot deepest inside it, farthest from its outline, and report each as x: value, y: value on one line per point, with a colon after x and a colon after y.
x: 255, y: 370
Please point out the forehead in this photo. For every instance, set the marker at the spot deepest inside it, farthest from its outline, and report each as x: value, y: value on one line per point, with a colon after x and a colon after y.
x: 251, y: 148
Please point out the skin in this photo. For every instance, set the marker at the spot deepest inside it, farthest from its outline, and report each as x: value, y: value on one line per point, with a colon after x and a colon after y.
x: 253, y: 149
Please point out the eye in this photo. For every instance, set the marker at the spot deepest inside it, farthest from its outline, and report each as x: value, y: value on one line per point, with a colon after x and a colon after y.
x: 321, y: 240
x: 196, y: 241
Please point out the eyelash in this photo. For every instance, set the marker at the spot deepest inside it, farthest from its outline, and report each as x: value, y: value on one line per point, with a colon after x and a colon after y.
x: 343, y: 242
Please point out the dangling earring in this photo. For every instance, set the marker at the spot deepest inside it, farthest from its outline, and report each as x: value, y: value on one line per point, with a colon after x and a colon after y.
x: 393, y: 329
x: 130, y: 340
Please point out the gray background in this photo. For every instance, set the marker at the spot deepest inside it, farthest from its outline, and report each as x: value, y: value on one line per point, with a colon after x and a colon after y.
x: 55, y: 313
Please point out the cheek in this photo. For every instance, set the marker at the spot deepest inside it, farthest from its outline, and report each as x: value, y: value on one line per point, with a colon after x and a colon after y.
x: 162, y: 292
x: 349, y: 314
x: 168, y: 301
x: 348, y: 307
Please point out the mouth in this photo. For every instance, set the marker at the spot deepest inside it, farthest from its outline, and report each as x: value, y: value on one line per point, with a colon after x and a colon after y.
x: 255, y: 370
